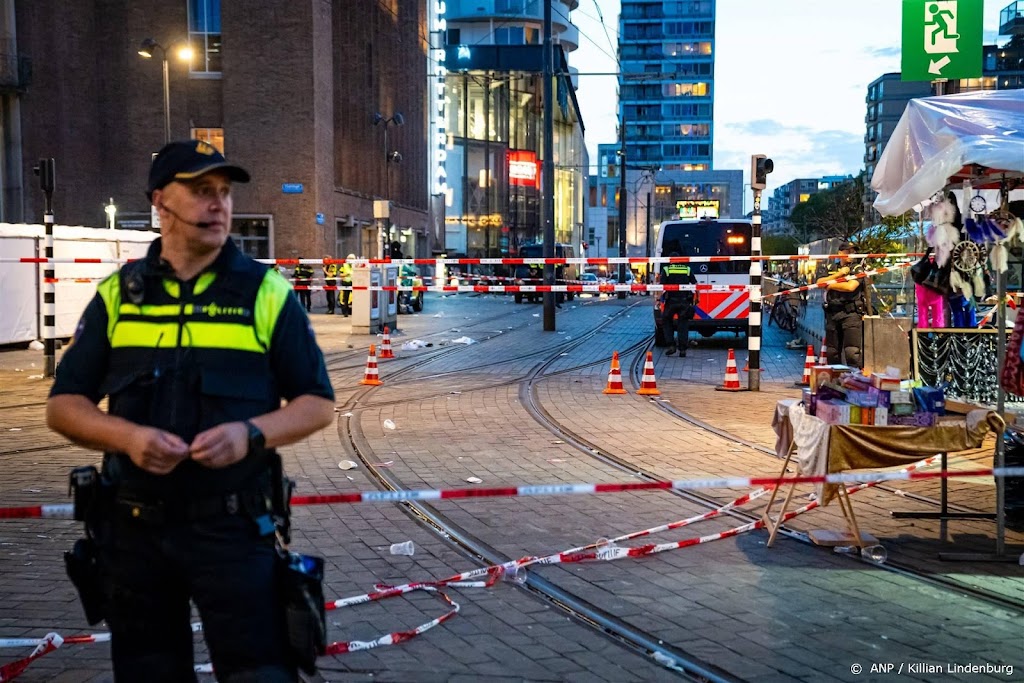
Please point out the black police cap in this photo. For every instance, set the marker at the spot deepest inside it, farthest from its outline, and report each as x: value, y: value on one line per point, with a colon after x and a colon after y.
x: 187, y: 159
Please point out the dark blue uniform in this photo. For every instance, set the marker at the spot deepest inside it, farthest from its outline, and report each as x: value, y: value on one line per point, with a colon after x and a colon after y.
x: 184, y: 357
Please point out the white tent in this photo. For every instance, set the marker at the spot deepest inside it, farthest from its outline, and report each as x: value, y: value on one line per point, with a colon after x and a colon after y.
x: 939, y: 140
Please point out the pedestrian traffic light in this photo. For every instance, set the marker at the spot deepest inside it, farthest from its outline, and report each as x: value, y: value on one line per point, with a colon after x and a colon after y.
x: 760, y: 167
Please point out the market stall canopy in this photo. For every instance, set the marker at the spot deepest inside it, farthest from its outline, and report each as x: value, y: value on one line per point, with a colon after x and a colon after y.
x: 940, y: 139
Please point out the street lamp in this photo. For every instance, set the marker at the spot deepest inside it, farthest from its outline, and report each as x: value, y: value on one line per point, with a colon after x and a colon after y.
x: 390, y: 157
x: 146, y: 49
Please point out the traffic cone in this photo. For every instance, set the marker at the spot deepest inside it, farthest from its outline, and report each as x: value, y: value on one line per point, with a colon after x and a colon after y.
x: 823, y: 356
x: 371, y: 377
x: 385, y: 345
x: 614, y: 377
x: 732, y: 378
x: 648, y: 384
x: 805, y: 381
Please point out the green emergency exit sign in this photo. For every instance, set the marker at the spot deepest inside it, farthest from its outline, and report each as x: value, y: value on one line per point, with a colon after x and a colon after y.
x: 941, y: 39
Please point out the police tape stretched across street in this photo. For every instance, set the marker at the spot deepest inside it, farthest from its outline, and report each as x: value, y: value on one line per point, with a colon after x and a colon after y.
x: 196, y: 346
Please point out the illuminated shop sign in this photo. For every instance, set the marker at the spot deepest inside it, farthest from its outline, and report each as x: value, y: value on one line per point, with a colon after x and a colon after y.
x: 438, y: 123
x: 523, y: 168
x: 698, y: 208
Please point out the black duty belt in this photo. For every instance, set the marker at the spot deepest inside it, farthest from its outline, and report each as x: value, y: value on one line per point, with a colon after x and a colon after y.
x: 254, y: 502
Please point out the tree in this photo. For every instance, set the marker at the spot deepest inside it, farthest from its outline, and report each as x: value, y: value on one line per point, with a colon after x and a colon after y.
x: 837, y: 212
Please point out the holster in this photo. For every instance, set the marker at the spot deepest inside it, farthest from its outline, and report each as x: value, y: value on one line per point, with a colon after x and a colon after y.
x: 93, y: 497
x: 82, y: 564
x: 305, y: 616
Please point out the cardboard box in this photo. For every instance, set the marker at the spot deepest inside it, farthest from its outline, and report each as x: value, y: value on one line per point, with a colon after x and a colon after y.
x: 902, y: 409
x: 881, y: 417
x: 827, y: 373
x: 885, y: 382
x: 882, y: 397
x: 930, y: 399
x: 864, y: 399
x: 918, y: 419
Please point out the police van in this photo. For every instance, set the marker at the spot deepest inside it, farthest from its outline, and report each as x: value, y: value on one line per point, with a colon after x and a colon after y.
x: 715, y: 311
x: 533, y: 273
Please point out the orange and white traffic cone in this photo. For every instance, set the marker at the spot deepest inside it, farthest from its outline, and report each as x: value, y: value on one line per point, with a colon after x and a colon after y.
x: 823, y: 356
x: 732, y: 378
x: 805, y: 381
x: 385, y: 345
x: 372, y: 377
x: 614, y: 377
x: 648, y: 384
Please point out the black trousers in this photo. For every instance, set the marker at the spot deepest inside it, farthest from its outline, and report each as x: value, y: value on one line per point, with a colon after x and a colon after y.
x: 844, y: 336
x: 305, y: 296
x: 332, y: 294
x: 230, y: 572
x: 681, y: 325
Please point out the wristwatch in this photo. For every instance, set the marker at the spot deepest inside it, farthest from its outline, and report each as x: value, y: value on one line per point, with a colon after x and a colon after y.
x: 257, y: 442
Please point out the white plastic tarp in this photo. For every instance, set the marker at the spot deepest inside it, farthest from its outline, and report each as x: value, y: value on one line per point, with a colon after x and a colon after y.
x: 937, y: 136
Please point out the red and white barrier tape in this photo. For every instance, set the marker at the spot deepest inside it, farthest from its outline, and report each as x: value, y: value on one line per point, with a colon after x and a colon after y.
x: 595, y: 261
x: 605, y: 550
x: 845, y: 278
x: 65, y: 510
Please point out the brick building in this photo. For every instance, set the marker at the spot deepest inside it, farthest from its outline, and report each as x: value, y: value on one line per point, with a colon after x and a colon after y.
x: 288, y: 88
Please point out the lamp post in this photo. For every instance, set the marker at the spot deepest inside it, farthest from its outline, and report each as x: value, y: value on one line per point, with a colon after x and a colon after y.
x: 146, y: 49
x: 389, y: 158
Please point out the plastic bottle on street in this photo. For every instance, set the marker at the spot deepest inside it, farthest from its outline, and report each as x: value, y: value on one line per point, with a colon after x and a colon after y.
x: 406, y: 548
x: 846, y: 549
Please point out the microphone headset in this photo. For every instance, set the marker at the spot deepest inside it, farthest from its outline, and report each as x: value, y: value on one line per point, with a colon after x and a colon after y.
x: 198, y: 224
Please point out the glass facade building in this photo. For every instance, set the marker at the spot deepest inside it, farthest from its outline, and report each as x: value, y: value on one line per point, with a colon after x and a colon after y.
x: 666, y: 85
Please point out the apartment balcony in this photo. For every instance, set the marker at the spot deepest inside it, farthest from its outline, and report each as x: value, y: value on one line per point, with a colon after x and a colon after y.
x: 1011, y: 19
x: 569, y: 39
x: 511, y: 10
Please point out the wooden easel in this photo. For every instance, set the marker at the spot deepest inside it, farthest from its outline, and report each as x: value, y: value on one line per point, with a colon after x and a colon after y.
x: 826, y: 538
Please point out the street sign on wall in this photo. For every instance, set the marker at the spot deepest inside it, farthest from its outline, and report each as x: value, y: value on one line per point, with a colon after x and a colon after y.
x: 941, y: 39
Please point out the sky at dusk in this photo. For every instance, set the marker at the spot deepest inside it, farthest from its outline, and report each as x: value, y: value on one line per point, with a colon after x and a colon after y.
x: 791, y: 78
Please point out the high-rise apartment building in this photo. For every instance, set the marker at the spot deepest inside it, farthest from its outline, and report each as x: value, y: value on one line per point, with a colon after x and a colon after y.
x: 666, y: 84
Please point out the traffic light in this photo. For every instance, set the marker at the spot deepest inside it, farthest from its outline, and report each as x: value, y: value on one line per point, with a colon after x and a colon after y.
x: 760, y: 167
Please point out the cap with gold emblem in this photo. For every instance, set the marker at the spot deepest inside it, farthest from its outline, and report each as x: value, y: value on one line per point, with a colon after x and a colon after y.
x: 189, y: 159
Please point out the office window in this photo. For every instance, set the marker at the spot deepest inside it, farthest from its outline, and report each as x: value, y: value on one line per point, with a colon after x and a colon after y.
x: 204, y: 35
x: 215, y: 136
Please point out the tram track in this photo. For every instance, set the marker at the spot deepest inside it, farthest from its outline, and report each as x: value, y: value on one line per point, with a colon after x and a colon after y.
x: 894, y: 566
x: 578, y: 607
x: 478, y: 550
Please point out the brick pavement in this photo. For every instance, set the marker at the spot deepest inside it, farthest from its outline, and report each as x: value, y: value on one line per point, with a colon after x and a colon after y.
x: 791, y: 612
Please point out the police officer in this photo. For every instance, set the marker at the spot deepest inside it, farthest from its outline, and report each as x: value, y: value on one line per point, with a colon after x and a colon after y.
x: 678, y: 306
x: 196, y: 345
x: 844, y: 310
x: 330, y: 280
x: 303, y: 275
x: 345, y: 281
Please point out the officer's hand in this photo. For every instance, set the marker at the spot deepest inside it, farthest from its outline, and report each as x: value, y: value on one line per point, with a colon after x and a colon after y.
x: 845, y: 270
x: 156, y: 451
x: 221, y: 446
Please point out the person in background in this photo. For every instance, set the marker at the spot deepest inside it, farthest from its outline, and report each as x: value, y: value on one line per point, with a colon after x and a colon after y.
x: 677, y: 307
x: 303, y: 275
x: 345, y: 282
x: 330, y: 280
x: 844, y: 311
x: 209, y: 364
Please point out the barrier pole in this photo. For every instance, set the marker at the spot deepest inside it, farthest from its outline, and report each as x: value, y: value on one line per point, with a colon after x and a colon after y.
x: 47, y: 179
